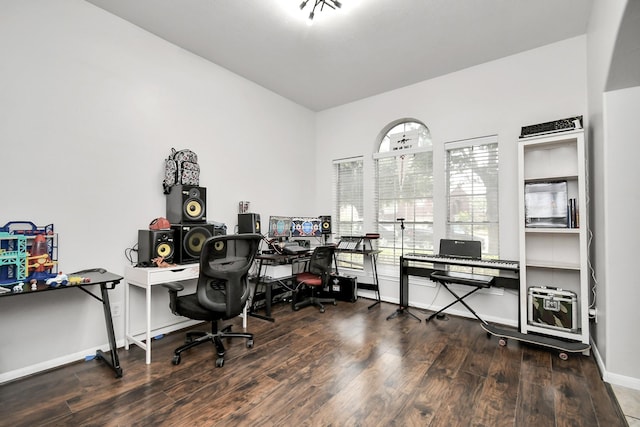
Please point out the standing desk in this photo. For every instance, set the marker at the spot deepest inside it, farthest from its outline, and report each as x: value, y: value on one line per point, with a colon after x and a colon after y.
x: 362, y: 245
x: 107, y: 281
x: 146, y: 278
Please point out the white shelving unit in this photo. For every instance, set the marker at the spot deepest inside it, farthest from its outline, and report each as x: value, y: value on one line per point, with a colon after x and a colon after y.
x: 554, y: 256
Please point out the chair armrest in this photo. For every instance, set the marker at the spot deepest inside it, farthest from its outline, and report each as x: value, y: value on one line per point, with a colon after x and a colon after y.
x: 173, y: 286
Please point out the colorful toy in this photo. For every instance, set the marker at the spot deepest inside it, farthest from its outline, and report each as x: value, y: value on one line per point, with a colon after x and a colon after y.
x: 36, y: 254
x: 13, y: 253
x: 78, y: 280
x: 61, y: 279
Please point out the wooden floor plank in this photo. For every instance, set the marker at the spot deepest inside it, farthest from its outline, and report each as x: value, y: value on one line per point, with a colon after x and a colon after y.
x: 349, y: 366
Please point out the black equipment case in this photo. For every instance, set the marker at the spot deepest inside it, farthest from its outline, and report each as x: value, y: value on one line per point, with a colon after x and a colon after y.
x: 342, y: 288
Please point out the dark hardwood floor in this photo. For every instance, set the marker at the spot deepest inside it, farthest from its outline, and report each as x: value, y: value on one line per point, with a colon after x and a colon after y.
x: 347, y: 367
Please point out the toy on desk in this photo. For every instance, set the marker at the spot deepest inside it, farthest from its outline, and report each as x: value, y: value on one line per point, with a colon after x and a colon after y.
x: 60, y: 280
x: 160, y: 262
x: 78, y: 280
x: 38, y: 259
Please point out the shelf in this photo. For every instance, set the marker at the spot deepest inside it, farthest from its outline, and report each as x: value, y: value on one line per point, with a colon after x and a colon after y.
x: 555, y: 256
x: 551, y: 230
x: 552, y: 265
x: 545, y: 178
x: 575, y: 336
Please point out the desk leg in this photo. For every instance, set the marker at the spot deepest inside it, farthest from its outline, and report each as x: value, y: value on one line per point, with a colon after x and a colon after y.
x: 244, y: 317
x: 148, y: 331
x: 252, y: 311
x: 374, y: 267
x: 113, y: 361
x: 127, y: 326
x: 403, y: 307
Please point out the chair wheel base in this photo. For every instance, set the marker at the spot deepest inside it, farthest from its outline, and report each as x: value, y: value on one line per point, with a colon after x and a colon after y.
x: 219, y: 362
x: 176, y: 359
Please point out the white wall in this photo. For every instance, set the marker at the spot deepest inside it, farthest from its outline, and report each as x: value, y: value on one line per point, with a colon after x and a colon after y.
x: 622, y: 128
x: 613, y: 130
x: 89, y: 108
x: 498, y: 97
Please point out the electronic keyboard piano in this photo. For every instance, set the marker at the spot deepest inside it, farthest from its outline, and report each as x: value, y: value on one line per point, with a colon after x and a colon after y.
x: 506, y: 273
x: 466, y: 270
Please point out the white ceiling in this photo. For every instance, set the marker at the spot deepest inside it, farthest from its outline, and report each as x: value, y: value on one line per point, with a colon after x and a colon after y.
x: 368, y: 47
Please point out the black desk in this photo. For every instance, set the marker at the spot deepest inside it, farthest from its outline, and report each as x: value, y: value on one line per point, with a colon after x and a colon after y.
x: 271, y: 259
x: 107, y: 281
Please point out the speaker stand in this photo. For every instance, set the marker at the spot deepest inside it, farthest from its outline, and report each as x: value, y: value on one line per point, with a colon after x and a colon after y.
x: 400, y: 311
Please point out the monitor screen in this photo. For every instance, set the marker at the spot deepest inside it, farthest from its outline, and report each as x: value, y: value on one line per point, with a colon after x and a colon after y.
x: 306, y: 227
x: 279, y: 226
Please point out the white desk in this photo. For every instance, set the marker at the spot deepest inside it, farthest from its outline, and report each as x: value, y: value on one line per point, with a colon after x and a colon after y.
x: 147, y: 278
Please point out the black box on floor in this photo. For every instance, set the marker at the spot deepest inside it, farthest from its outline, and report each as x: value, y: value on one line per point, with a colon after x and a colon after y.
x: 342, y: 288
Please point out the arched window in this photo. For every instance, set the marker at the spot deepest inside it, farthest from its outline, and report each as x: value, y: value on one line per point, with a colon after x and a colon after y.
x: 404, y: 189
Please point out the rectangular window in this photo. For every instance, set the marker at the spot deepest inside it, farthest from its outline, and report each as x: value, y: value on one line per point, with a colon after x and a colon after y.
x: 348, y: 205
x: 472, y: 192
x: 404, y: 190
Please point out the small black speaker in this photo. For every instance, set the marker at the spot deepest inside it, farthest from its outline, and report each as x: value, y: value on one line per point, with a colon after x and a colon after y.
x: 248, y: 223
x: 325, y: 224
x: 155, y: 243
x: 187, y: 204
x: 189, y: 239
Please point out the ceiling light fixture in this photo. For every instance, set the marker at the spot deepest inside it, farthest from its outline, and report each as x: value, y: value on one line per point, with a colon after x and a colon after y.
x: 333, y: 4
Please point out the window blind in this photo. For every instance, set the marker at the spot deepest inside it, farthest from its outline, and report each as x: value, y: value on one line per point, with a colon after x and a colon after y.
x: 472, y: 192
x: 348, y: 204
x: 404, y: 190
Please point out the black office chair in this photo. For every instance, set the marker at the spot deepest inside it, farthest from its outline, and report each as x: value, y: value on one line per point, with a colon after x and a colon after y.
x: 316, y: 276
x: 221, y: 292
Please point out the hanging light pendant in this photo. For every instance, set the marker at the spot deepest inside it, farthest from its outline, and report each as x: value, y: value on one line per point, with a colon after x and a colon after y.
x: 333, y: 4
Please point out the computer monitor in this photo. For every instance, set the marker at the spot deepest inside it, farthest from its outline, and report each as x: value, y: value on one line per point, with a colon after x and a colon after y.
x: 279, y: 227
x: 306, y: 227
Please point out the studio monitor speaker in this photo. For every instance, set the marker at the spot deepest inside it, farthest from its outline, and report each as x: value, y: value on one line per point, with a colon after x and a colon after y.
x: 187, y: 204
x: 155, y: 243
x: 325, y: 224
x: 189, y: 239
x: 248, y: 223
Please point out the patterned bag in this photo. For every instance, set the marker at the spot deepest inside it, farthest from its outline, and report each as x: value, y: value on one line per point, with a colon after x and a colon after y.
x: 180, y: 168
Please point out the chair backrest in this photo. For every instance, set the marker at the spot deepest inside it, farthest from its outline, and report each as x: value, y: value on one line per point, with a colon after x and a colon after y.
x: 225, y: 261
x: 321, y: 262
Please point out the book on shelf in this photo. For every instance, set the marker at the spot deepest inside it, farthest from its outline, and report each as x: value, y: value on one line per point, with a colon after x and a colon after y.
x: 546, y: 204
x: 572, y: 214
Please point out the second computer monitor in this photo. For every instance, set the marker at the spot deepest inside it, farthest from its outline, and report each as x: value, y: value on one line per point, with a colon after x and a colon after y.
x: 306, y: 227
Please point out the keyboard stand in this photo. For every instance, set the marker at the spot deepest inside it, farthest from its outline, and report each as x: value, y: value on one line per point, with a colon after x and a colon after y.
x: 477, y: 281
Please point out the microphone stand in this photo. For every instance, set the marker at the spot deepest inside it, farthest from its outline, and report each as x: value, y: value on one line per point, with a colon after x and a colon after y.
x: 404, y: 284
